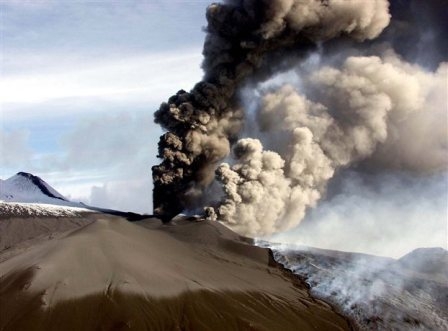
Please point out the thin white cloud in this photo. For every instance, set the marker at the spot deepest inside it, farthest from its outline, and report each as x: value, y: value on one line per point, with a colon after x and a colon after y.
x: 14, y: 149
x: 113, y: 142
x: 150, y: 76
x: 129, y: 195
x: 106, y: 161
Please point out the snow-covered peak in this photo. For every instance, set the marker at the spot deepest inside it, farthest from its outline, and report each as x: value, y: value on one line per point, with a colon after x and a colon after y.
x: 25, y: 187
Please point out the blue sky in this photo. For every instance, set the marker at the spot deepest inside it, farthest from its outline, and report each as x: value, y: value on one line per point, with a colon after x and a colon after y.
x: 80, y: 82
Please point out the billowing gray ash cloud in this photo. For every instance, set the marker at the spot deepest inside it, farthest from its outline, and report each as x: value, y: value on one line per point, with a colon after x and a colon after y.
x: 241, y: 34
x: 375, y: 106
x: 369, y: 107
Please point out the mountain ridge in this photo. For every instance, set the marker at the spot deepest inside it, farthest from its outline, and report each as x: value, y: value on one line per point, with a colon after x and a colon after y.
x: 26, y: 187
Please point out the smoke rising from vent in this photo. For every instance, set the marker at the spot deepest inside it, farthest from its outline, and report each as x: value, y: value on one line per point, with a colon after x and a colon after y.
x: 353, y: 110
x: 203, y: 124
x: 300, y: 90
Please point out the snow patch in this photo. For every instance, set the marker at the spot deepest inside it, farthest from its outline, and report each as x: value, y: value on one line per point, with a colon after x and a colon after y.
x: 27, y: 188
x: 17, y: 209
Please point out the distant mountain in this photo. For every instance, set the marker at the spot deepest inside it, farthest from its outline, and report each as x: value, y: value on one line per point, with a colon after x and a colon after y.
x: 24, y: 192
x: 25, y: 187
x: 427, y: 260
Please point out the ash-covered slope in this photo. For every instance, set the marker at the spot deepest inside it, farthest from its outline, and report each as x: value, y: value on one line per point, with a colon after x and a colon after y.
x: 117, y: 275
x: 25, y: 187
x: 427, y: 260
x: 378, y: 293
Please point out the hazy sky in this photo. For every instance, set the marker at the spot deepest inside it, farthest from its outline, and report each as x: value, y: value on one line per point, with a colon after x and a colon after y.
x: 80, y: 82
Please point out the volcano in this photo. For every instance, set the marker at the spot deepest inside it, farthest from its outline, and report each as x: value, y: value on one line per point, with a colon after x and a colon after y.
x: 107, y: 273
x: 26, y: 187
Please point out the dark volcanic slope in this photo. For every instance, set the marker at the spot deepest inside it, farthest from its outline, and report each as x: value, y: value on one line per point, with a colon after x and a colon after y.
x: 43, y: 187
x: 378, y: 293
x: 116, y: 275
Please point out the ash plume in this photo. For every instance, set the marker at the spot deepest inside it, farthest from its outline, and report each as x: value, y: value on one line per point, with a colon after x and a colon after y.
x: 369, y: 107
x: 202, y: 124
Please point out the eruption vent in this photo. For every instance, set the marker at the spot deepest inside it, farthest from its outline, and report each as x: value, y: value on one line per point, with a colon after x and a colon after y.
x: 244, y: 39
